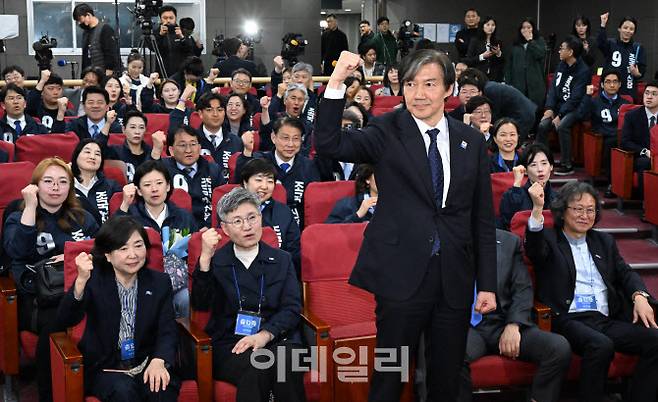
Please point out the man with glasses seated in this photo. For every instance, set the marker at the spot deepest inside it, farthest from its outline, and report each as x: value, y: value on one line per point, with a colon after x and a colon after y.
x: 598, y: 302
x: 468, y: 88
x: 213, y: 139
x: 478, y: 116
x: 16, y: 122
x: 190, y: 172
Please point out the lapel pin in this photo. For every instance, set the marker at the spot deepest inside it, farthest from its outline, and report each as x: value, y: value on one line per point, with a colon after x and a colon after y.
x: 271, y: 258
x: 148, y: 293
x: 464, y: 144
x: 597, y: 256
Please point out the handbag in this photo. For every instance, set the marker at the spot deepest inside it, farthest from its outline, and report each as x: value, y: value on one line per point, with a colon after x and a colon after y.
x: 49, y: 282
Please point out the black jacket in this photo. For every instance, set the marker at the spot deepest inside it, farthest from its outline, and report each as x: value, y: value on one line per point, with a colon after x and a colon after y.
x: 619, y: 55
x: 215, y: 290
x: 81, y: 129
x: 26, y: 245
x: 345, y: 211
x: 232, y: 63
x: 462, y: 40
x: 493, y: 67
x: 177, y: 218
x: 635, y: 132
x: 331, y: 44
x: 97, y: 200
x: 200, y: 187
x: 507, y: 101
x: 173, y: 49
x: 568, y: 87
x: 108, y: 49
x: 551, y: 256
x: 603, y: 113
x: 295, y: 181
x: 517, y: 199
x: 498, y: 165
x: 48, y: 117
x: 156, y: 334
x: 31, y: 127
x: 397, y: 244
x: 280, y: 218
x: 123, y: 153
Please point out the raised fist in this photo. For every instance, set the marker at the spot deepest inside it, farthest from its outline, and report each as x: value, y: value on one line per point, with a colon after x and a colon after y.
x: 536, y: 192
x: 129, y: 191
x: 347, y: 63
x: 519, y: 174
x: 265, y: 102
x: 110, y: 116
x: 248, y: 141
x: 209, y: 240
x: 604, y: 19
x: 30, y: 195
x: 63, y: 102
x: 589, y: 90
x: 278, y: 63
x: 45, y: 75
x: 85, y: 265
x: 159, y: 139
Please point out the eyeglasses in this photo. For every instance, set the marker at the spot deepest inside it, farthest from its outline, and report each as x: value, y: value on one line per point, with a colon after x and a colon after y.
x: 239, y: 221
x: 50, y: 183
x: 481, y: 112
x: 583, y: 210
x: 184, y: 146
x: 242, y: 82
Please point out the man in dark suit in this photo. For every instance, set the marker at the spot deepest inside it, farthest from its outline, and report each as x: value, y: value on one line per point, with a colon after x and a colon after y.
x: 235, y: 51
x: 97, y: 118
x: 589, y: 288
x: 635, y: 133
x: 433, y: 233
x: 510, y: 331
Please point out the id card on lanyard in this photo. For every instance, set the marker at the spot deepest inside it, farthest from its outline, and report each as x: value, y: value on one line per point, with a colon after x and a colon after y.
x: 248, y: 322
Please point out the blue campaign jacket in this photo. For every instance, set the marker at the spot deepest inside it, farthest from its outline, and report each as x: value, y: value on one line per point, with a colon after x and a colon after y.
x: 295, y: 181
x: 177, y: 218
x: 603, y: 113
x: 31, y: 127
x: 568, y: 87
x: 620, y: 56
x: 280, y: 218
x: 97, y: 200
x: 215, y: 290
x: 517, y: 199
x: 199, y: 187
x: 123, y: 153
x: 26, y: 245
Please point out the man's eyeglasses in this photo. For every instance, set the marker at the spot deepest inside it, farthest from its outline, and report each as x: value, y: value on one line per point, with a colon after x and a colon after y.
x: 242, y: 82
x: 583, y: 210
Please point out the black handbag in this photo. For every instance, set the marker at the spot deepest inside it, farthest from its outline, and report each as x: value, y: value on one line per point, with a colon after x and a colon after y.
x: 49, y: 282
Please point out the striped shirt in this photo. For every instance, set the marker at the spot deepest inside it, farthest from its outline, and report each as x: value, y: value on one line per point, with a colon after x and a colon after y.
x: 128, y: 299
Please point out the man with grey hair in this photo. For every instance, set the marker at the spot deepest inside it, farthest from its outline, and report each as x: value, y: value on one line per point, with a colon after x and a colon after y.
x: 253, y: 294
x: 294, y: 100
x: 302, y: 74
x: 434, y: 233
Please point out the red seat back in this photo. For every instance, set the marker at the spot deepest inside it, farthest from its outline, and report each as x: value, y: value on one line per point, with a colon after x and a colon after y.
x: 35, y: 148
x: 386, y: 101
x: 520, y: 222
x: 232, y: 166
x: 14, y: 177
x: 501, y: 182
x: 452, y: 103
x: 9, y: 148
x: 115, y: 173
x: 378, y: 111
x: 653, y: 140
x: 195, y: 120
x: 651, y: 196
x: 255, y: 122
x: 329, y: 252
x: 320, y: 198
x: 279, y: 194
x: 157, y: 121
x: 622, y: 116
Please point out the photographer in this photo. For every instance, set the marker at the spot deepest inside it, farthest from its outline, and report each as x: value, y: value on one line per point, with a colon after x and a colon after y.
x: 99, y: 46
x: 236, y: 53
x: 173, y: 44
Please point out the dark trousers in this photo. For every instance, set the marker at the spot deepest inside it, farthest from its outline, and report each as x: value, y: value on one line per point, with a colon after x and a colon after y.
x: 640, y: 164
x: 254, y: 384
x: 596, y: 338
x: 563, y: 133
x: 551, y: 352
x: 400, y: 323
x: 119, y: 387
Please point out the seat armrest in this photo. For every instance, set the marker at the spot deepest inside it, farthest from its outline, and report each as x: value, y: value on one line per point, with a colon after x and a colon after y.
x: 8, y: 327
x: 195, y: 357
x: 543, y: 314
x: 66, y: 369
x: 318, y: 325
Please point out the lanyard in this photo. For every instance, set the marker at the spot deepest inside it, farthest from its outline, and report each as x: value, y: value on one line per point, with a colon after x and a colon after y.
x: 237, y: 288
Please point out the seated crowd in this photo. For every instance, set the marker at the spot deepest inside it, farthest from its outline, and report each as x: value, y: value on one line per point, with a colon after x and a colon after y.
x: 239, y: 135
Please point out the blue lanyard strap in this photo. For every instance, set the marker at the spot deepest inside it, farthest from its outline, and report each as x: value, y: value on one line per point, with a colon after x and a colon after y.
x: 237, y: 288
x: 502, y: 163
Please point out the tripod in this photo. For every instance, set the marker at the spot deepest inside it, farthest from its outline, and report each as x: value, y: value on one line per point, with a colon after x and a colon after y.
x: 148, y: 42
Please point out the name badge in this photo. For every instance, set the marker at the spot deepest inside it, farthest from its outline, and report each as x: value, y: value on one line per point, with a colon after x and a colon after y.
x: 247, y: 323
x: 586, y: 302
x: 128, y: 349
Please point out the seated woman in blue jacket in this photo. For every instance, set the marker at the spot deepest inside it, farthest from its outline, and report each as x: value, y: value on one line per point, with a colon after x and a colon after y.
x: 255, y: 302
x: 537, y: 162
x: 93, y: 189
x: 259, y: 177
x: 48, y: 216
x: 505, y: 143
x: 130, y: 317
x: 151, y: 188
x: 360, y: 207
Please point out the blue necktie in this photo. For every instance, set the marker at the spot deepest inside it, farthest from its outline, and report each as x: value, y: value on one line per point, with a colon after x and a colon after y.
x: 188, y: 171
x: 436, y: 168
x: 18, y: 128
x: 95, y: 131
x: 347, y: 170
x: 285, y: 166
x: 476, y: 317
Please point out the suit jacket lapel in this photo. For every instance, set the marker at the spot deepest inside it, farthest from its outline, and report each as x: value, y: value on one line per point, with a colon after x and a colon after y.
x: 413, y: 143
x: 144, y: 299
x: 113, y: 306
x: 457, y: 156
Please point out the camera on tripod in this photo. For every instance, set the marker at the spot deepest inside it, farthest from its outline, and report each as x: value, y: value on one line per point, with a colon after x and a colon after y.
x: 407, y: 34
x: 293, y: 47
x: 144, y: 12
x: 43, y: 54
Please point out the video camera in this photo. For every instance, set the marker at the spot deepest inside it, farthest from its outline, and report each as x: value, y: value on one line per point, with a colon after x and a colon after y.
x: 407, y: 34
x: 144, y: 12
x: 293, y: 47
x: 43, y: 54
x: 218, y: 47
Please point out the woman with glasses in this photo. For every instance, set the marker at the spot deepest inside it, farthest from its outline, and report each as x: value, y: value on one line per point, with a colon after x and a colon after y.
x: 253, y: 296
x: 537, y: 163
x: 49, y: 215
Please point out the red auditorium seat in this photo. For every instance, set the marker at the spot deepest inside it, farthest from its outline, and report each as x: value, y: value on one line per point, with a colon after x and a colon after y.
x: 232, y: 166
x: 452, y: 103
x: 378, y: 111
x: 223, y: 391
x: 116, y: 170
x: 621, y: 162
x: 66, y: 359
x: 195, y: 120
x: 9, y: 148
x: 157, y: 121
x: 34, y: 148
x: 501, y: 182
x: 320, y: 198
x: 255, y: 121
x: 227, y: 90
x: 341, y: 315
x: 387, y: 101
x: 279, y: 194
